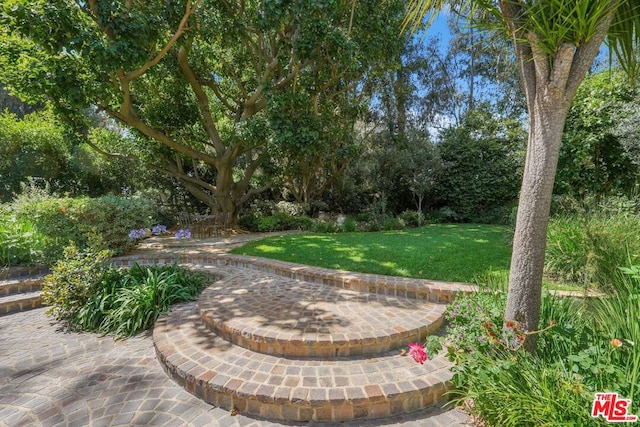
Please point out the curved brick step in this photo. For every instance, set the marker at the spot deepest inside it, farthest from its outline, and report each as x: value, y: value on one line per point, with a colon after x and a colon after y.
x: 20, y: 294
x: 21, y: 285
x: 20, y: 302
x: 428, y: 290
x: 230, y: 376
x: 286, y: 317
x: 17, y: 272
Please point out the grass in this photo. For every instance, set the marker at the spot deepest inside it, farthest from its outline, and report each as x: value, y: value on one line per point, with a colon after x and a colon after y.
x: 450, y: 252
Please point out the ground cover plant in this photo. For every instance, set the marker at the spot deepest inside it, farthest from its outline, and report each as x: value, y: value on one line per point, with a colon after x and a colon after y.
x: 86, y: 294
x: 454, y: 252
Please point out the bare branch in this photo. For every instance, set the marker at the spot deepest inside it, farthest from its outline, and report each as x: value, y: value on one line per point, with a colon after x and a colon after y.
x: 99, y: 150
x: 253, y: 192
x: 177, y: 172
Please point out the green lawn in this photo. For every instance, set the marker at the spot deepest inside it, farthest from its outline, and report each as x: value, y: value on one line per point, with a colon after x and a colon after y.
x: 452, y: 252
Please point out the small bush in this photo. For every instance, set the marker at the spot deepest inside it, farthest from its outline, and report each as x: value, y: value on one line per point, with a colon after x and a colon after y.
x: 393, y: 224
x: 20, y: 244
x: 326, y: 227
x: 73, y: 281
x: 268, y: 223
x: 350, y: 225
x: 446, y: 214
x: 364, y: 217
x: 575, y: 355
x: 249, y: 221
x: 589, y: 248
x: 144, y: 294
x: 86, y: 294
x: 412, y: 218
x: 373, y: 225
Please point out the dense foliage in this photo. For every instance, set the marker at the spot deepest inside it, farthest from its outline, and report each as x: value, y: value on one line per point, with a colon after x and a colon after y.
x: 589, y: 241
x: 36, y: 227
x: 86, y: 294
x: 39, y: 147
x: 482, y: 168
x: 583, y: 347
x: 594, y: 157
x: 215, y: 94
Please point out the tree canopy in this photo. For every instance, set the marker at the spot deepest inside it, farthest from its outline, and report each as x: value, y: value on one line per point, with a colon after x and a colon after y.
x: 207, y: 87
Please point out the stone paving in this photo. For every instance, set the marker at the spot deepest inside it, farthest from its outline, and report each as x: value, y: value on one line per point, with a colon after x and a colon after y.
x: 50, y: 378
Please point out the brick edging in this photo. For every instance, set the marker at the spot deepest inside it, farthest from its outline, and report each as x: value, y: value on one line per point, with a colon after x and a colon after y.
x: 429, y: 290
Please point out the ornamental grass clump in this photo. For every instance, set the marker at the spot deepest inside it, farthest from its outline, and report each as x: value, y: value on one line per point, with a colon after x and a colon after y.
x: 146, y: 292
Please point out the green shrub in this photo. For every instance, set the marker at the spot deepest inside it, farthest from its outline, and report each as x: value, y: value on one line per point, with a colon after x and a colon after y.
x: 522, y: 391
x: 20, y: 244
x: 482, y: 166
x: 146, y: 293
x: 393, y: 224
x: 99, y: 223
x: 34, y: 146
x: 106, y: 221
x: 616, y: 317
x: 364, y: 217
x: 349, y: 225
x: 267, y: 223
x: 73, y: 281
x: 412, y: 218
x: 326, y: 227
x: 575, y: 356
x: 373, y: 225
x: 249, y: 221
x: 86, y: 294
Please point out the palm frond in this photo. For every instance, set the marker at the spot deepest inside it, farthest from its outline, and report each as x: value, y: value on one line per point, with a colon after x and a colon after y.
x: 624, y: 36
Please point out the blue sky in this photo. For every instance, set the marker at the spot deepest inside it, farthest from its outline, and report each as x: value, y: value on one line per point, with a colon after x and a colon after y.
x: 440, y: 28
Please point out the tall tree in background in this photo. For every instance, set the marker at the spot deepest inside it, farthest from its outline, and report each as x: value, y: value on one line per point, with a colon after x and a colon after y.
x: 195, y: 79
x: 555, y: 43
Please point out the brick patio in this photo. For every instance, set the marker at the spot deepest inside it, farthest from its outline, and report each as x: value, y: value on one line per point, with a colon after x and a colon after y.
x: 290, y: 342
x: 268, y: 343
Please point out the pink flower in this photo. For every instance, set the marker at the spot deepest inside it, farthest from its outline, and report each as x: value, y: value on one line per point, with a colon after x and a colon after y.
x: 417, y: 352
x: 616, y: 343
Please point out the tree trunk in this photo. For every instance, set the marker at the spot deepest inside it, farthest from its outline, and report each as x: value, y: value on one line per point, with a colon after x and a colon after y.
x: 225, y: 194
x: 547, y: 120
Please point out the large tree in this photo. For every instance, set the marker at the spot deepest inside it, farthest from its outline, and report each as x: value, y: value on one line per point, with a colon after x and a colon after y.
x: 195, y: 79
x: 555, y: 43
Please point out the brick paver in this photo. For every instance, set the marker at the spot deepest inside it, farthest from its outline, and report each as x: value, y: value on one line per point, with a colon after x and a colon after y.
x: 50, y: 378
x: 231, y: 376
x: 287, y: 317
